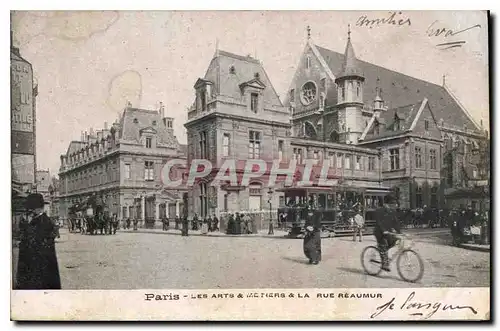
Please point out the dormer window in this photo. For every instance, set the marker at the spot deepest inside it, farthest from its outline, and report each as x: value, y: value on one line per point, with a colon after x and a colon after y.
x: 149, y: 142
x: 169, y: 124
x: 232, y: 70
x: 254, y: 102
x: 396, y: 125
x: 257, y: 75
x: 154, y: 122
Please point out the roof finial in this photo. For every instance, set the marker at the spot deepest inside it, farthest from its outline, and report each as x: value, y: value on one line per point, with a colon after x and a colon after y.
x: 444, y: 80
x: 348, y: 31
x: 308, y: 32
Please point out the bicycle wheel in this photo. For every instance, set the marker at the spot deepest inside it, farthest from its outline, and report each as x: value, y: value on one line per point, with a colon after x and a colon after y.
x: 371, y: 260
x: 410, y: 266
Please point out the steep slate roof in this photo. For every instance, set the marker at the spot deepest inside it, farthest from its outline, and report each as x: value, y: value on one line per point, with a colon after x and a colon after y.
x: 131, y: 131
x: 75, y: 146
x: 245, y: 68
x: 399, y: 89
x: 350, y: 66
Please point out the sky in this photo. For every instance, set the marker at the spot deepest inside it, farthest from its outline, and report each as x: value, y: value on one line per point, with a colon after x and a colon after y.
x: 89, y: 64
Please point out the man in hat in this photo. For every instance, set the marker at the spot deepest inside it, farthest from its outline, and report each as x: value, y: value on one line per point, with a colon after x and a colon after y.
x: 312, y: 238
x: 37, y: 268
x: 387, y: 223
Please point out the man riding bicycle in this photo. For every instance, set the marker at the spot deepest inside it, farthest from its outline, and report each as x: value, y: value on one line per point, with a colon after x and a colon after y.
x: 387, y: 224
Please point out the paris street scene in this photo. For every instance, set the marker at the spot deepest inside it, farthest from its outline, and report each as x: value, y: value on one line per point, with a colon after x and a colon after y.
x: 232, y: 150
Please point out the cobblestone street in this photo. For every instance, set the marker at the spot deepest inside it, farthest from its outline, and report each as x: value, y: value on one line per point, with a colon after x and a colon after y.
x: 130, y: 260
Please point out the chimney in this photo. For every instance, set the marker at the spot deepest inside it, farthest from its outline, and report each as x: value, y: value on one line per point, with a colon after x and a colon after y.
x: 162, y: 110
x: 105, y: 125
x: 82, y: 137
x: 91, y: 132
x: 13, y: 49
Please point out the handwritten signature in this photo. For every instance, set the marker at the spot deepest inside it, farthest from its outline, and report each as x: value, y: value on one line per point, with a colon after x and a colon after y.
x: 414, y: 308
x: 393, y: 18
x: 432, y: 31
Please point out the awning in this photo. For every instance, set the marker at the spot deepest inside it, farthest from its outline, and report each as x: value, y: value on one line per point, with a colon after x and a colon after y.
x: 378, y: 191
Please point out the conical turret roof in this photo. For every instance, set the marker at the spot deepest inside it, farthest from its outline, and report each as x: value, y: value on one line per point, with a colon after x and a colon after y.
x: 350, y: 67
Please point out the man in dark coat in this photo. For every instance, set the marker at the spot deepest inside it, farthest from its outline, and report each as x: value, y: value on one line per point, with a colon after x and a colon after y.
x: 312, y: 238
x: 386, y: 223
x: 185, y: 227
x: 37, y: 268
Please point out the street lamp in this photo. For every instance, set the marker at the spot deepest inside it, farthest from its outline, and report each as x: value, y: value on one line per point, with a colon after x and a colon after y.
x: 271, y: 229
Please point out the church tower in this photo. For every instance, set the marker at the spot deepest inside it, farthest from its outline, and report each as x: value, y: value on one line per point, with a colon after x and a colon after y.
x: 350, y: 83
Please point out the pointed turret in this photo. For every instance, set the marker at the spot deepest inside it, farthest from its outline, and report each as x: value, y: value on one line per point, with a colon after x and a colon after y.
x: 350, y: 67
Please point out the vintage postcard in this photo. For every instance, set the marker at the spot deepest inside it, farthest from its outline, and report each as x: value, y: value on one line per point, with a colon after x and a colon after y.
x: 250, y: 165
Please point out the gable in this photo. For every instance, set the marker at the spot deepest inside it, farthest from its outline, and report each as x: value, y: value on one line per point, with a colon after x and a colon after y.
x: 229, y: 71
x: 317, y: 73
x: 400, y: 89
x: 432, y: 130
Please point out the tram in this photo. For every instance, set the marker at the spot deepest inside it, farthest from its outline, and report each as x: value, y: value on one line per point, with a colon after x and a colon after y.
x: 335, y: 206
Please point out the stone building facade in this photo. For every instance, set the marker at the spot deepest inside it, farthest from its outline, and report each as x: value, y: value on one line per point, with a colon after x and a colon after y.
x: 379, y: 130
x: 419, y: 128
x: 123, y: 165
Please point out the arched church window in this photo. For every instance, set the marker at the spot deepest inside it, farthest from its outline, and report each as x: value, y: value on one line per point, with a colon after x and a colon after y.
x: 308, y: 93
x: 334, y: 136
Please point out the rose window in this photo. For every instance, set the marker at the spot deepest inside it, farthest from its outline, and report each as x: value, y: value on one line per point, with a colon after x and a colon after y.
x: 308, y: 93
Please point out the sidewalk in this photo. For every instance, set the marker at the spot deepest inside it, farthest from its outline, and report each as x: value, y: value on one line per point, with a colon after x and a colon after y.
x: 476, y: 247
x: 277, y: 233
x: 262, y: 233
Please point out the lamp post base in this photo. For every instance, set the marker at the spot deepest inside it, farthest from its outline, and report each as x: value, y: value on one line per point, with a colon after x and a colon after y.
x: 271, y: 229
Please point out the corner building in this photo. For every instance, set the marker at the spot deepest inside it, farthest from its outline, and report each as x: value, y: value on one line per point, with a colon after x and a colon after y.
x: 123, y: 166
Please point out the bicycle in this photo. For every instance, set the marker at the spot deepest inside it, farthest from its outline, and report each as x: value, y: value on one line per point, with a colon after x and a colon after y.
x: 371, y: 257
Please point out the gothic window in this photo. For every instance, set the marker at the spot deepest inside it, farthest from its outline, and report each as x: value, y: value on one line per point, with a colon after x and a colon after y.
x: 310, y: 131
x: 433, y: 159
x: 149, y: 142
x: 358, y: 89
x: 308, y: 62
x: 334, y: 136
x: 292, y: 95
x: 308, y: 93
x: 418, y: 157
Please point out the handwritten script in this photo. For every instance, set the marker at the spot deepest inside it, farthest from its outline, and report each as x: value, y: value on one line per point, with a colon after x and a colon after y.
x: 392, y: 19
x: 415, y: 308
x: 435, y: 31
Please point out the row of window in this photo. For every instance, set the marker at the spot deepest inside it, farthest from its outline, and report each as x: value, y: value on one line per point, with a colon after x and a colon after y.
x: 338, y: 160
x: 97, y: 175
x: 394, y: 161
x: 149, y: 171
